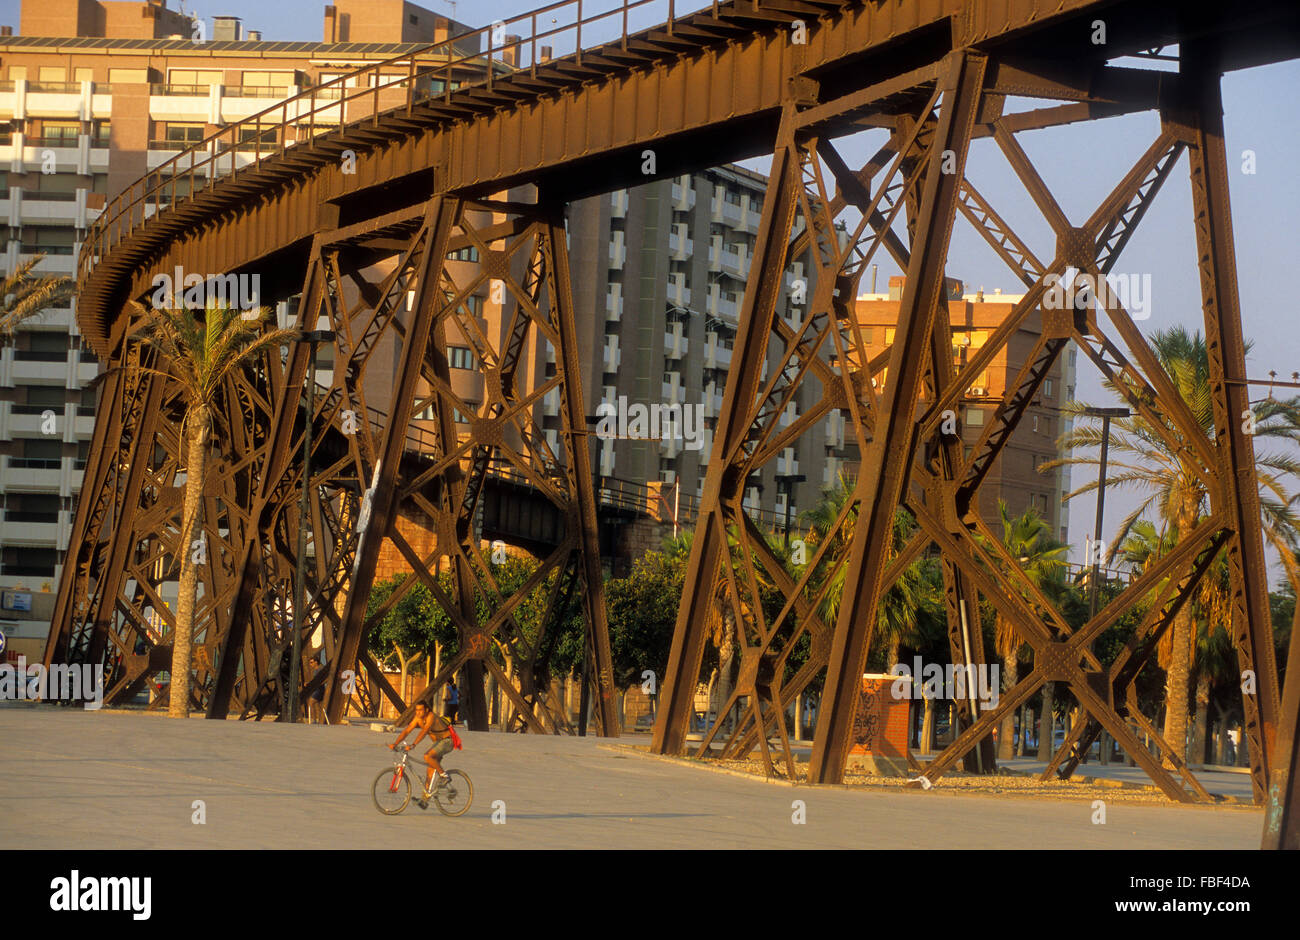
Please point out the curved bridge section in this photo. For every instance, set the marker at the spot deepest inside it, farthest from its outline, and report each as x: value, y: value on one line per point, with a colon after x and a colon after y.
x: 372, y: 191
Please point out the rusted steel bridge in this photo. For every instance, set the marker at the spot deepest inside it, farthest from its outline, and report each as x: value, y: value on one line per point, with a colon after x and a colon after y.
x: 368, y: 187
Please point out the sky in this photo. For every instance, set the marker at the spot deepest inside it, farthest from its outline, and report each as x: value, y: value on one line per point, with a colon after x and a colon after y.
x: 1080, y: 164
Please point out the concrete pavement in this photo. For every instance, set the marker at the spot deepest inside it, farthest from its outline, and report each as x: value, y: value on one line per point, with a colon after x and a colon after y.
x: 76, y: 779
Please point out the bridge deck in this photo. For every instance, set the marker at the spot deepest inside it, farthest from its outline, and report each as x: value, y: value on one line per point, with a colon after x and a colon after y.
x: 704, y: 93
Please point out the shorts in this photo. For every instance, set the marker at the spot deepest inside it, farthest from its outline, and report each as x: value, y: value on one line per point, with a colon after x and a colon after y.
x: 441, y: 748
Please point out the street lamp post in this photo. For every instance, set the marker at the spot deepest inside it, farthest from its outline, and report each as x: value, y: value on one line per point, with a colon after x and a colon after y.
x: 313, y: 338
x: 1105, y: 414
x: 789, y: 479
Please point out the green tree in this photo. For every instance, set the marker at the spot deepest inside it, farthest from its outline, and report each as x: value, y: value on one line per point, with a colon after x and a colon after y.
x: 642, y: 610
x: 198, y: 350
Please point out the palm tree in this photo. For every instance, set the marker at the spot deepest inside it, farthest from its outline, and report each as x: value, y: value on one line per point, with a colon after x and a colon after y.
x: 1028, y: 538
x: 1172, y: 490
x: 24, y: 295
x: 198, y: 353
x: 897, y: 614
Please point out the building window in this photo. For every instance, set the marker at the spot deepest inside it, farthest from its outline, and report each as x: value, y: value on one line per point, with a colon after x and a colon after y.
x: 1048, y: 387
x: 187, y: 134
x: 475, y: 304
x: 194, y: 78
x: 128, y: 76
x: 469, y: 253
x: 460, y: 357
x: 31, y: 507
x: 57, y: 134
x: 867, y: 335
x: 44, y: 347
x: 1035, y: 422
x: 48, y: 240
x: 889, y: 337
x: 974, y: 417
x: 29, y: 562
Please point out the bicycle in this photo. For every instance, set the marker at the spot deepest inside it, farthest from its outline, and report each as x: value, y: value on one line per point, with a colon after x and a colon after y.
x: 392, y: 790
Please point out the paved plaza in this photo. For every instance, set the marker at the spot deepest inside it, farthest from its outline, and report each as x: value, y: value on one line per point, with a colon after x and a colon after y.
x: 84, y: 780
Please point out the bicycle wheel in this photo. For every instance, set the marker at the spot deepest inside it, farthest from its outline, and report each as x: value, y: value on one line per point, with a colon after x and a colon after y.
x: 455, y: 797
x: 391, y: 792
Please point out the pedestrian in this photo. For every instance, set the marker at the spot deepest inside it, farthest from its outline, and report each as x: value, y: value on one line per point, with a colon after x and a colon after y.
x: 451, y: 702
x: 316, y: 704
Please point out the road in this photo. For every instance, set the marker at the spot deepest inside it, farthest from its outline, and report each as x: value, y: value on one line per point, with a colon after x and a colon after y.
x: 100, y: 780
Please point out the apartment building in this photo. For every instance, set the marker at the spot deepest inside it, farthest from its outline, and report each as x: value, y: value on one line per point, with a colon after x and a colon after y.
x: 1015, y: 476
x: 664, y: 267
x: 92, y: 96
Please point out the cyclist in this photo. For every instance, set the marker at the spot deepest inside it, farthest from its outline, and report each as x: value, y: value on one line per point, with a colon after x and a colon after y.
x: 439, y: 732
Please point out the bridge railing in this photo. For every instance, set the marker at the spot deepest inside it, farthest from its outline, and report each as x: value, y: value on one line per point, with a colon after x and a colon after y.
x: 443, y: 70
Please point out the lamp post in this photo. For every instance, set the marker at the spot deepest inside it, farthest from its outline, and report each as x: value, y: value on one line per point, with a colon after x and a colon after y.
x: 789, y: 479
x: 313, y: 338
x: 1105, y: 414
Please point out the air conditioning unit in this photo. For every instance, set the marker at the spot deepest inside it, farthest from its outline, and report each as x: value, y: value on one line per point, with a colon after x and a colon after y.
x: 978, y: 391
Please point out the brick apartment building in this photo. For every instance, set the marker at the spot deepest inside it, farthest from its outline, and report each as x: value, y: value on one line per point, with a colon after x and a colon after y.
x: 1015, y: 476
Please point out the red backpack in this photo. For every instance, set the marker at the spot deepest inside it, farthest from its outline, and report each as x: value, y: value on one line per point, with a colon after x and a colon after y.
x: 455, y: 738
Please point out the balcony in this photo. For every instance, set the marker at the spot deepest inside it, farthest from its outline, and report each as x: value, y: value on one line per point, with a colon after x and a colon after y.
x: 31, y: 473
x: 678, y: 293
x: 673, y: 392
x: 612, y: 356
x: 259, y: 91
x: 716, y: 355
x: 680, y: 248
x: 835, y: 427
x: 676, y: 345
x: 618, y: 204
x: 30, y: 368
x: 34, y: 528
x: 614, y: 303
x: 683, y: 195
x: 180, y: 91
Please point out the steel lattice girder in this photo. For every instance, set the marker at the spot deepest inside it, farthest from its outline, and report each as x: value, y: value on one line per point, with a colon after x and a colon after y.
x: 941, y: 496
x: 356, y: 499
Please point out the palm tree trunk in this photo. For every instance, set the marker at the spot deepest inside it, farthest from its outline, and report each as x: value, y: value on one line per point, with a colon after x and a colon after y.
x: 927, y: 728
x: 1006, y: 737
x: 178, y: 704
x: 1175, y: 732
x: 1200, y: 718
x: 726, y: 656
x: 1045, y: 723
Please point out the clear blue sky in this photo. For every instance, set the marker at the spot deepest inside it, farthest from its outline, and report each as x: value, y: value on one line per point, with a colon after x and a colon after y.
x: 1081, y: 164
